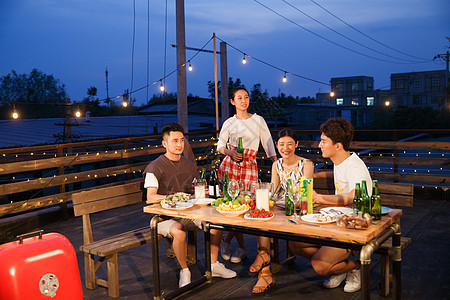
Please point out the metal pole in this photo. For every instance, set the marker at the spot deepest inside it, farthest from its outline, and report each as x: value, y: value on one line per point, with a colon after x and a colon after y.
x: 181, y: 63
x: 216, y: 90
x: 224, y: 81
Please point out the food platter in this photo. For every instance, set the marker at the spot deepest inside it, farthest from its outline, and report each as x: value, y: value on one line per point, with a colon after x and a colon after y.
x: 203, y: 201
x: 338, y: 210
x: 317, y: 218
x: 179, y: 206
x: 385, y: 210
x: 231, y: 213
x: 248, y: 217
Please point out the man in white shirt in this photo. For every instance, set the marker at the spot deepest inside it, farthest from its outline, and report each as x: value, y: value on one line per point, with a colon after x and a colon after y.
x: 336, y: 135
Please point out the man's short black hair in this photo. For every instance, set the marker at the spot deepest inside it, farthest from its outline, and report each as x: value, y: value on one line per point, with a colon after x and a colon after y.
x: 339, y: 130
x: 171, y: 127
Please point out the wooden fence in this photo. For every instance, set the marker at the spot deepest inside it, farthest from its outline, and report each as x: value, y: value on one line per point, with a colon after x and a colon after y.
x: 41, y: 176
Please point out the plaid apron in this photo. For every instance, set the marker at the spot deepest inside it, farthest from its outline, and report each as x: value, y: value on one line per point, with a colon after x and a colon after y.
x: 246, y: 170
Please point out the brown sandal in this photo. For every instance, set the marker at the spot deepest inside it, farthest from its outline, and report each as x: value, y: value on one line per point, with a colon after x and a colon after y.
x: 260, y: 289
x: 257, y: 267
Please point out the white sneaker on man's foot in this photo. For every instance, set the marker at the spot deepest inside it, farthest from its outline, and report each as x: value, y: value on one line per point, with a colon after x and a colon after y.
x: 225, y: 250
x: 334, y: 281
x: 353, y: 282
x: 239, y: 255
x: 185, y: 277
x: 219, y: 270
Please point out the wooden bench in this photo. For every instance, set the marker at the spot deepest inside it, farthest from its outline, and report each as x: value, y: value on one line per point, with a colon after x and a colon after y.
x: 102, y: 199
x: 392, y: 194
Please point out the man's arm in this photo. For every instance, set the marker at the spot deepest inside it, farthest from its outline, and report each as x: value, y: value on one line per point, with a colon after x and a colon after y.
x: 338, y: 200
x: 153, y: 196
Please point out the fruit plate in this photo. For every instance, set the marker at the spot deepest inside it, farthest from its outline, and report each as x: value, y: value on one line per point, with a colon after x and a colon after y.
x: 316, y: 218
x: 247, y: 217
x: 203, y: 201
x: 232, y: 213
x: 179, y: 206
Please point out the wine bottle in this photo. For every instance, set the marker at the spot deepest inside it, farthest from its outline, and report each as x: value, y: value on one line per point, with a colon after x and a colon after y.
x: 214, y: 189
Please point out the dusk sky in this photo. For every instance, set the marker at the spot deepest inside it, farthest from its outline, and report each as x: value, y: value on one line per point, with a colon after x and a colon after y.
x: 77, y: 40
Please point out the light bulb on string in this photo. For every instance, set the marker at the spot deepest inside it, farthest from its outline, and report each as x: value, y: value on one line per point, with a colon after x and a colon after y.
x: 15, y: 115
x: 284, y: 77
x: 331, y: 94
x: 190, y: 66
x: 125, y: 103
x: 78, y: 112
x: 161, y: 87
x: 244, y: 61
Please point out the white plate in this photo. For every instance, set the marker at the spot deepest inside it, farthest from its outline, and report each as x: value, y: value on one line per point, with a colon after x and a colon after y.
x: 385, y: 210
x: 247, y: 217
x: 180, y: 206
x: 337, y: 210
x: 231, y: 213
x: 312, y: 219
x: 203, y: 201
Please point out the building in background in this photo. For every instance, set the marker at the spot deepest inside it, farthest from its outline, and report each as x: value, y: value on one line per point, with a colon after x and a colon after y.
x: 418, y: 89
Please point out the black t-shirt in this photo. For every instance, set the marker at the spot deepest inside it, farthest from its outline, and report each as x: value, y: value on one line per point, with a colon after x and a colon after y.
x: 173, y: 176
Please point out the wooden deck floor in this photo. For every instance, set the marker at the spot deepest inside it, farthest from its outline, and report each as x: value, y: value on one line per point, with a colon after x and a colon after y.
x: 425, y: 264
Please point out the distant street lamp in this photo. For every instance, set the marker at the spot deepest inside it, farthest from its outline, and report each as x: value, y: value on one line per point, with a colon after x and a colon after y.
x: 387, y: 103
x: 331, y: 94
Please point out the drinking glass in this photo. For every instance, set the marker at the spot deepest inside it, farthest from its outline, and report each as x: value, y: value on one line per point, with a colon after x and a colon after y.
x: 294, y: 195
x: 234, y: 188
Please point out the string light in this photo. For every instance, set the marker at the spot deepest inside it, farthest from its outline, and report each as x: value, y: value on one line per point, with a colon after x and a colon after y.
x: 15, y: 115
x: 161, y: 87
x: 284, y: 78
x: 331, y: 94
x: 244, y: 61
x: 190, y: 66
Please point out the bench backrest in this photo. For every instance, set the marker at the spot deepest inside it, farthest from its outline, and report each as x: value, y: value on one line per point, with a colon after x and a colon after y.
x: 100, y: 199
x: 392, y: 194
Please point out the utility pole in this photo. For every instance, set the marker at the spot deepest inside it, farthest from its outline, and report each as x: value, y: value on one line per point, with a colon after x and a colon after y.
x: 181, y: 64
x: 107, y: 88
x: 445, y: 57
x: 224, y: 81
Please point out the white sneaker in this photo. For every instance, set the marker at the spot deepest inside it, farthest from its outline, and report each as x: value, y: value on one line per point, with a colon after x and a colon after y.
x: 239, y: 255
x: 219, y: 270
x: 185, y: 277
x: 353, y: 282
x: 225, y: 250
x: 334, y: 281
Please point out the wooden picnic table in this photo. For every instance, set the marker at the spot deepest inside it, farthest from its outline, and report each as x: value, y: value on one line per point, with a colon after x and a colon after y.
x: 367, y: 240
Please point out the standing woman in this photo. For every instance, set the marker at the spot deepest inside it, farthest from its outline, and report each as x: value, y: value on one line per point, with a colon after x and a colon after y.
x: 242, y: 167
x: 289, y: 166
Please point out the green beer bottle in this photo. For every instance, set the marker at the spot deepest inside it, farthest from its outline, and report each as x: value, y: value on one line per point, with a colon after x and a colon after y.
x: 357, y: 200
x: 365, y: 205
x: 225, y: 186
x: 240, y: 148
x: 288, y: 204
x: 376, y: 202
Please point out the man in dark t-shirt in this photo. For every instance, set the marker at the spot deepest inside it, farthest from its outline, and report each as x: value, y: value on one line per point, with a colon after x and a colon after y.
x: 171, y: 173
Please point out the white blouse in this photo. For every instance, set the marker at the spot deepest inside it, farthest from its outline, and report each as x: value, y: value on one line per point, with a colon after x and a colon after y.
x: 252, y: 130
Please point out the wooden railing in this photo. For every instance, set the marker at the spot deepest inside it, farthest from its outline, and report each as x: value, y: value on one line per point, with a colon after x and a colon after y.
x: 41, y: 176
